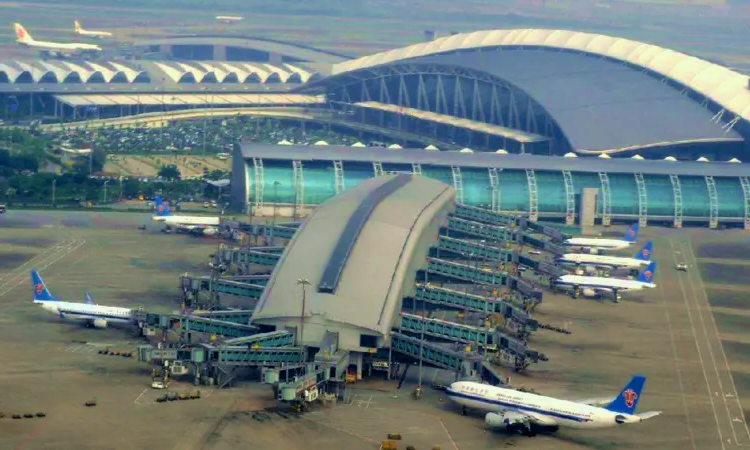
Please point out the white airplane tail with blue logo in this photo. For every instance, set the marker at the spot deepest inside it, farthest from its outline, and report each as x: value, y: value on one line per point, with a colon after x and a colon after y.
x: 162, y: 210
x: 632, y: 234
x: 646, y: 252
x: 39, y: 289
x: 647, y: 274
x: 627, y: 400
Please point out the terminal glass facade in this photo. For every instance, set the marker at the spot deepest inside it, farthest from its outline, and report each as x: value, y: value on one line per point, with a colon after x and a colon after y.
x: 319, y: 184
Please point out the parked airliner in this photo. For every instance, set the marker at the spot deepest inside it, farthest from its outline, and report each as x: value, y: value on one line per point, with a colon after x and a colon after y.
x: 527, y: 413
x: 198, y: 225
x: 596, y: 286
x: 641, y: 258
x: 90, y: 33
x: 594, y: 245
x: 96, y: 316
x: 229, y: 19
x: 24, y: 38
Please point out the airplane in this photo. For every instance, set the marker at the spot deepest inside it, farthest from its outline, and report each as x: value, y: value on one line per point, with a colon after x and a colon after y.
x: 24, y: 38
x: 197, y: 225
x: 96, y: 316
x: 527, y: 413
x: 229, y: 19
x: 594, y: 245
x: 641, y: 258
x: 91, y: 33
x: 596, y: 286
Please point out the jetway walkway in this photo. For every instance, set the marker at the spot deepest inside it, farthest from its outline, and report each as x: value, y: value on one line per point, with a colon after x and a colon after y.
x: 507, y: 220
x: 434, y: 354
x: 224, y: 355
x: 195, y: 324
x: 250, y: 256
x: 490, y: 339
x: 281, y: 231
x: 273, y: 339
x: 235, y: 316
x: 462, y: 227
x: 480, y: 275
x: 449, y: 298
x: 231, y: 287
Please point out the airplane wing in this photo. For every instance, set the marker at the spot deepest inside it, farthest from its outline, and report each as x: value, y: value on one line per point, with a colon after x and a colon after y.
x: 595, y: 401
x: 648, y: 415
x: 513, y: 417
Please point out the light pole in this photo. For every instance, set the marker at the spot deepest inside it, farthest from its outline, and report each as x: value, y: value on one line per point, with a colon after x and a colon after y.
x: 276, y: 185
x: 120, y: 197
x: 105, y: 191
x: 304, y: 282
x: 54, y: 185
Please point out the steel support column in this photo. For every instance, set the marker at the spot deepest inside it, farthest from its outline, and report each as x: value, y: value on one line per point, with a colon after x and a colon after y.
x: 495, y: 188
x: 713, y: 199
x: 338, y: 173
x: 677, y: 190
x: 458, y: 184
x: 533, y: 195
x: 259, y: 184
x: 377, y: 169
x: 642, y: 200
x: 570, y: 198
x: 299, y: 188
x: 416, y: 169
x: 746, y: 193
x: 606, y: 199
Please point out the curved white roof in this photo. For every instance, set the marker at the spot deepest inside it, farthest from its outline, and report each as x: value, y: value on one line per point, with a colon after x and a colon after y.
x: 68, y: 72
x: 719, y: 84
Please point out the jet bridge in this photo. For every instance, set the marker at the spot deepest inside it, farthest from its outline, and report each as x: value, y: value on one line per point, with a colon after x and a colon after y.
x: 488, y: 216
x: 196, y: 324
x: 435, y: 354
x: 480, y: 275
x: 463, y: 228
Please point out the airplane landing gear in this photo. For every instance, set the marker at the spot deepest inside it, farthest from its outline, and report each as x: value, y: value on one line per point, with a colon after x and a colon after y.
x: 464, y: 411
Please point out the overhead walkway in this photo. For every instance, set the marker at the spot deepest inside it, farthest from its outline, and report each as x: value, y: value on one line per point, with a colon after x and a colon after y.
x: 480, y: 275
x: 196, y: 324
x: 223, y: 355
x: 476, y: 250
x: 490, y: 339
x: 507, y: 220
x: 434, y: 354
x: 231, y: 287
x: 281, y: 231
x: 462, y: 227
x: 452, y: 299
x: 235, y: 316
x: 273, y: 339
x: 255, y: 256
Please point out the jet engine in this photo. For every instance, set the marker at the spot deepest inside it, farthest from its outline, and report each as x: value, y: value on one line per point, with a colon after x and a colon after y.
x: 620, y: 419
x: 593, y: 251
x: 210, y: 231
x: 99, y: 323
x: 495, y: 420
x: 588, y: 292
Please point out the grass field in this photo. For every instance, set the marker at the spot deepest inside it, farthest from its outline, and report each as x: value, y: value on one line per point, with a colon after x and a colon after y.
x: 148, y: 166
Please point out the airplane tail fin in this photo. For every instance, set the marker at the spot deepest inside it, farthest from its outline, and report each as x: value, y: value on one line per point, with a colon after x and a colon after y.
x: 39, y: 289
x: 87, y: 298
x: 161, y: 208
x: 632, y: 233
x: 22, y: 35
x: 627, y: 400
x: 646, y: 252
x: 647, y: 274
x: 77, y: 26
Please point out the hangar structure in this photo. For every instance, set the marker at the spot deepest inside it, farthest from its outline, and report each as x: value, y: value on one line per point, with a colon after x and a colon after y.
x: 540, y: 187
x: 582, y: 92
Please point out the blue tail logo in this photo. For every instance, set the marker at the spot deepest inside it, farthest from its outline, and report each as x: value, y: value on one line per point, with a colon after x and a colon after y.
x: 647, y: 275
x: 627, y: 400
x: 39, y: 289
x: 161, y: 208
x: 87, y: 298
x: 646, y: 252
x: 632, y: 233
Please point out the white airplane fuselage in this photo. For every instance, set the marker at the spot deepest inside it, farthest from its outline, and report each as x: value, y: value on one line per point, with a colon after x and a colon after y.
x: 85, y: 311
x: 188, y: 220
x: 94, y: 34
x: 604, y: 244
x: 607, y: 284
x: 599, y: 260
x: 545, y: 411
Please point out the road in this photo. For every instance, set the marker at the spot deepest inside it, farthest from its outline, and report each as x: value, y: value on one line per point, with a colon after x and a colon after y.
x: 702, y: 369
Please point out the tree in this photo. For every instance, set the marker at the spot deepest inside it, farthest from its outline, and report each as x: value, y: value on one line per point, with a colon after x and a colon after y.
x: 169, y: 172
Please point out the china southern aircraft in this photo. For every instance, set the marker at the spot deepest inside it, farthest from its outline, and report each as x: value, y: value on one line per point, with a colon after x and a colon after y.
x: 526, y: 413
x: 594, y: 245
x: 24, y: 38
x: 96, y: 316
x: 90, y: 33
x: 198, y: 225
x: 642, y: 258
x: 596, y: 286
